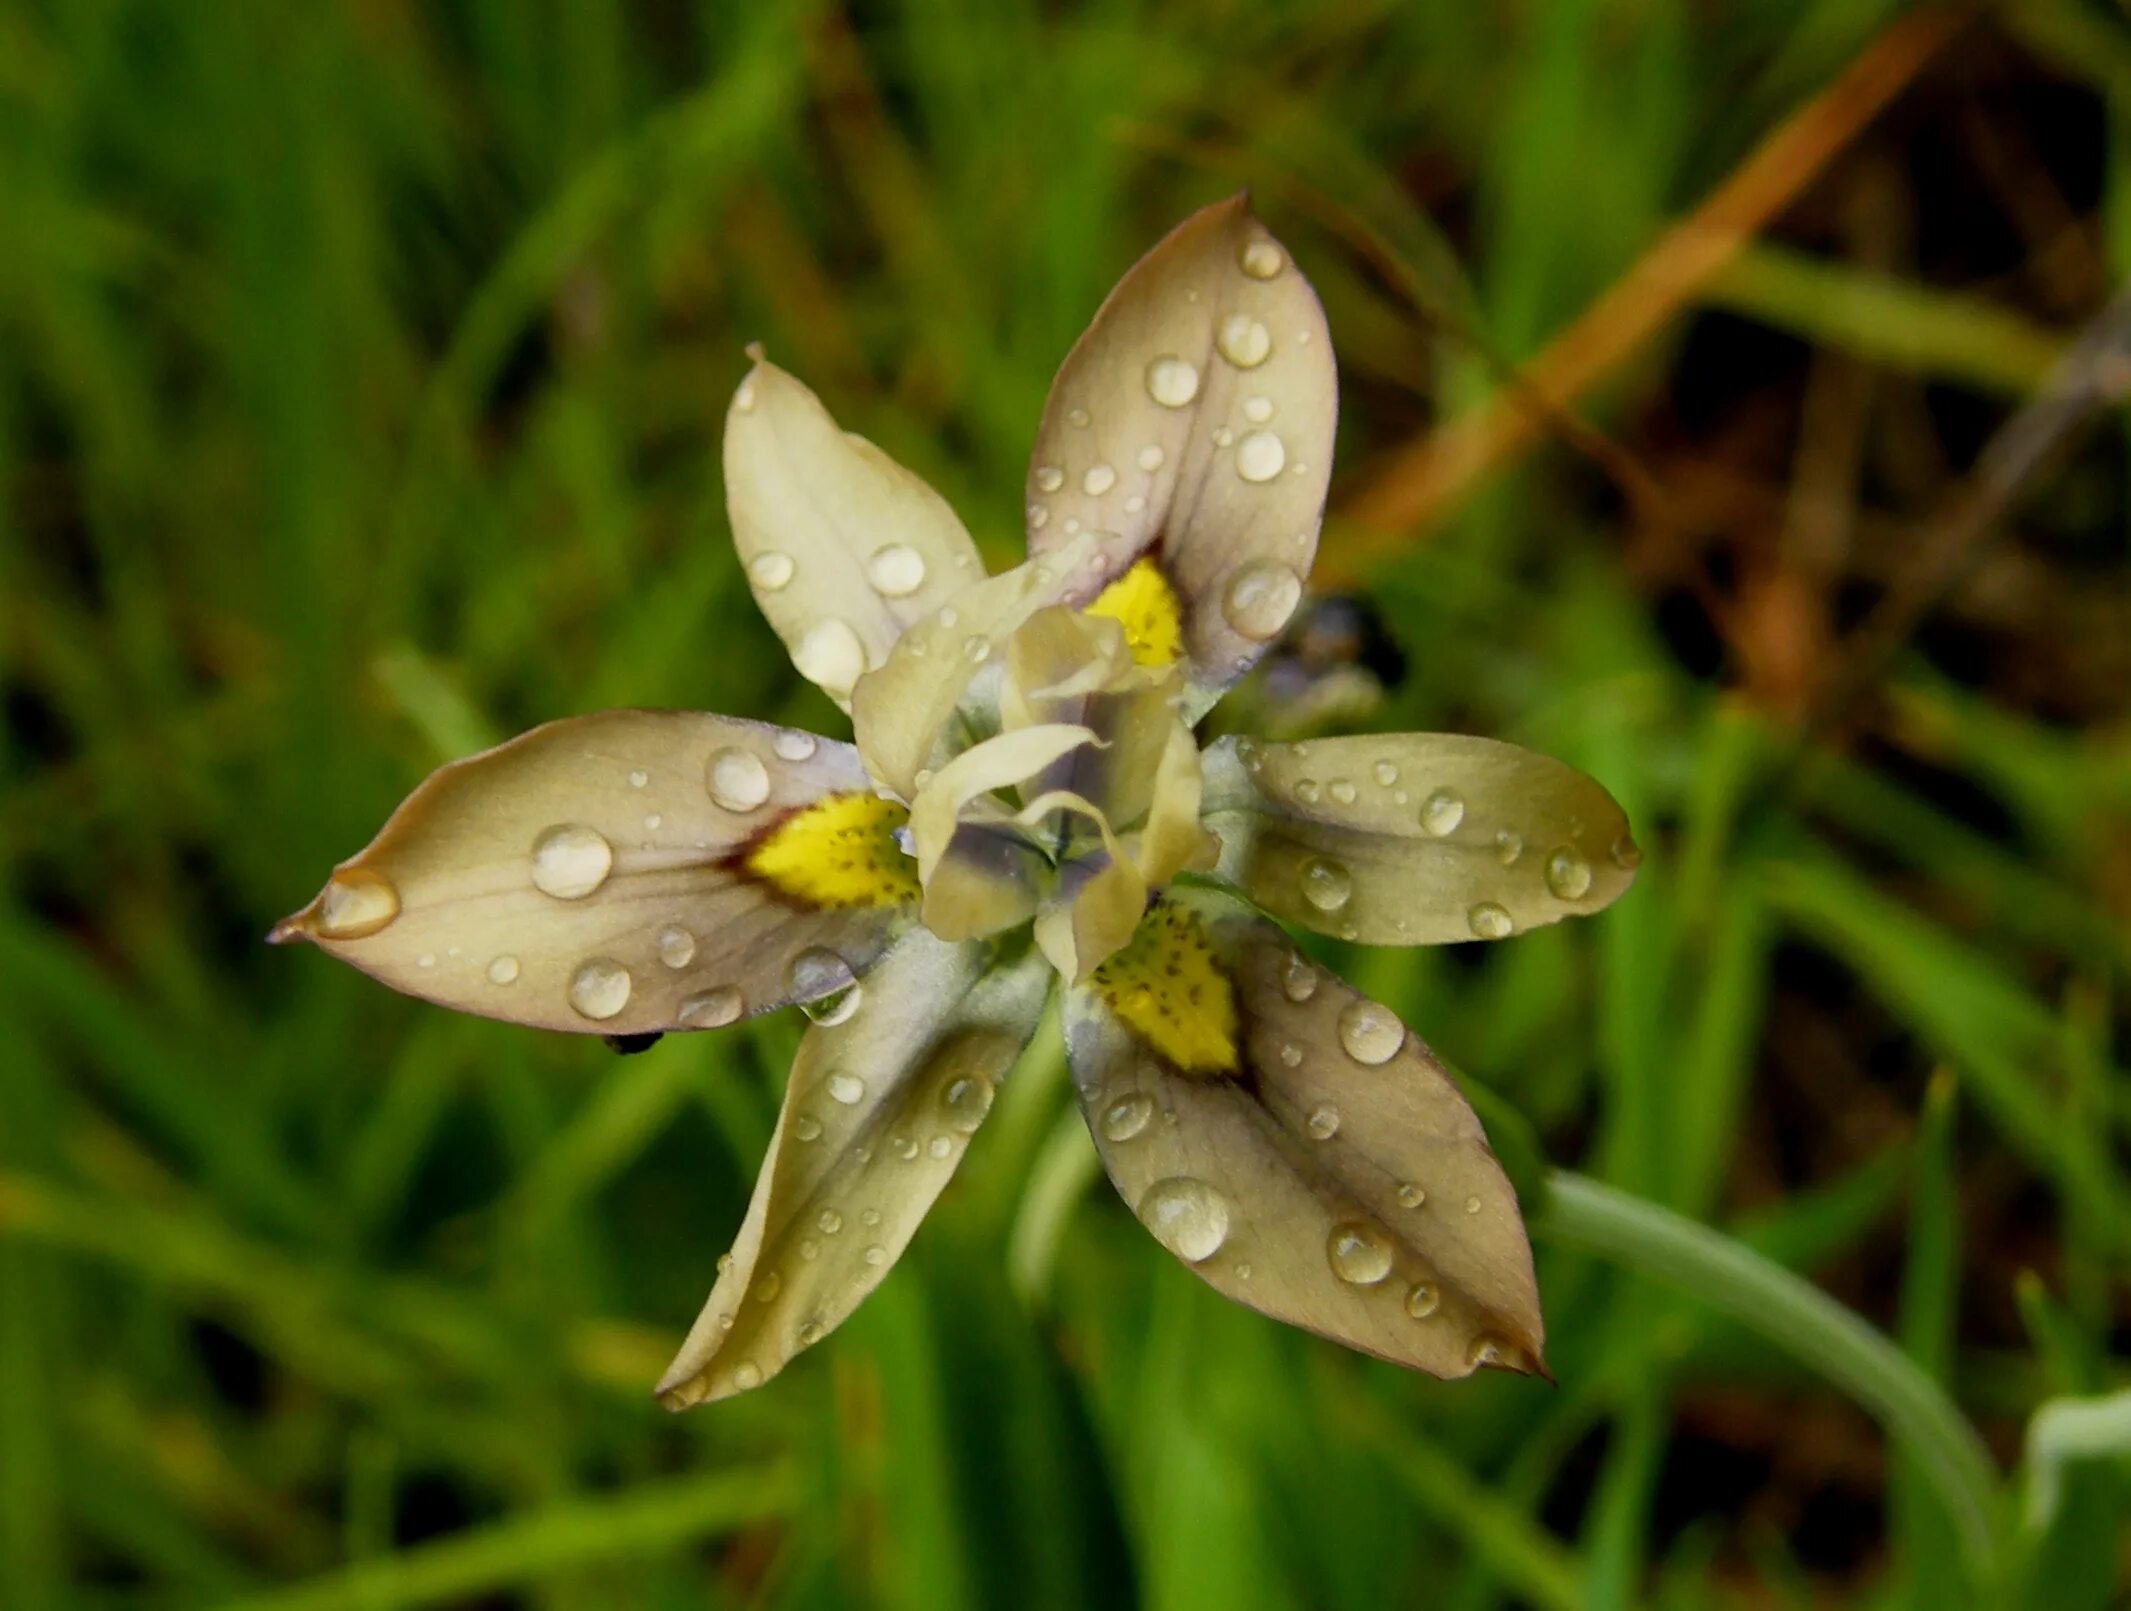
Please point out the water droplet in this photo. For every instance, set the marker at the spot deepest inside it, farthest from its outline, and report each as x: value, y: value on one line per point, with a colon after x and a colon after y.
x: 905, y: 1148
x: 1172, y: 382
x: 1306, y: 790
x: 1039, y: 517
x: 1490, y: 921
x: 1626, y: 853
x: 359, y: 901
x: 1257, y: 409
x: 713, y: 1008
x: 570, y: 861
x: 876, y: 1255
x: 1484, y: 1351
x: 1260, y: 597
x: 1299, y: 980
x: 806, y: 1127
x: 896, y: 571
x: 967, y: 1101
x: 677, y: 947
x: 738, y: 779
x: 503, y: 970
x: 1099, y: 479
x: 1509, y: 845
x: 768, y: 1287
x: 1291, y: 1055
x: 1442, y: 811
x: 870, y: 1216
x: 846, y: 1088
x: 1187, y: 1216
x: 976, y: 650
x: 1342, y: 791
x: 1386, y: 773
x: 428, y: 959
x: 940, y: 1146
x: 1325, y: 884
x: 834, y: 1008
x: 1049, y: 478
x: 1152, y: 458
x: 599, y: 988
x: 639, y: 778
x: 810, y: 1333
x: 1472, y: 1205
x: 1126, y: 1117
x: 1370, y: 1032
x: 1568, y: 875
x: 725, y: 1263
x: 771, y: 571
x: 1077, y: 418
x: 746, y: 1376
x: 1324, y: 1122
x: 1360, y: 1253
x: 1260, y: 258
x: 1244, y: 341
x: 830, y: 1221
x: 1411, y: 1196
x: 816, y: 972
x: 1260, y: 456
x: 1422, y: 1300
x: 830, y: 655
x: 796, y: 746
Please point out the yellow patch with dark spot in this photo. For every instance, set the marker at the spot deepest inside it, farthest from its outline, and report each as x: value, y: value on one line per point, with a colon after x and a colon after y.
x: 1166, y: 988
x: 1144, y: 604
x: 839, y: 851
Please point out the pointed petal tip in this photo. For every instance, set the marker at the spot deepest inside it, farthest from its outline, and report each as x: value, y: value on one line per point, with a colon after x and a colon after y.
x: 755, y: 352
x: 296, y: 926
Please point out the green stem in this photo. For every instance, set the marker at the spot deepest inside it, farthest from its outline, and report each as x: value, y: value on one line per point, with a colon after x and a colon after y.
x: 1806, y: 1323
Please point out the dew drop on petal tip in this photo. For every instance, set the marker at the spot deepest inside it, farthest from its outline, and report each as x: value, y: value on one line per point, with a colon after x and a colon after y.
x: 1360, y: 1254
x: 1370, y: 1032
x: 1244, y: 341
x: 1260, y: 258
x: 711, y: 1009
x: 896, y: 571
x: 1188, y: 1217
x: 1490, y: 921
x: 1260, y: 456
x: 831, y: 656
x: 599, y: 988
x: 357, y: 902
x: 1326, y: 885
x: 771, y: 571
x: 1172, y: 381
x: 795, y: 746
x: 1259, y: 599
x: 746, y: 1376
x: 570, y: 861
x: 1626, y: 853
x: 677, y: 947
x: 738, y: 779
x: 1442, y: 811
x: 1568, y: 875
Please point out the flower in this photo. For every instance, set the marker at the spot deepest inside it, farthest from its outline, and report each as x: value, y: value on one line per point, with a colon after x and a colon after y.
x: 1025, y: 808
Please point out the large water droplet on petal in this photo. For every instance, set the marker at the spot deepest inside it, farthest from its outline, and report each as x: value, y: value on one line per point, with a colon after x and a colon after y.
x: 896, y: 571
x: 713, y: 1008
x: 677, y: 947
x: 771, y: 571
x: 738, y: 779
x: 599, y: 988
x: 1172, y: 381
x: 1187, y: 1216
x: 848, y: 1089
x: 1359, y: 1252
x: 1490, y: 921
x: 1260, y: 456
x: 817, y: 971
x: 1325, y: 884
x: 1568, y: 875
x: 1260, y: 258
x: 1442, y: 811
x: 831, y: 655
x: 1260, y: 597
x: 1244, y: 341
x: 1127, y: 1117
x: 570, y: 861
x: 796, y: 746
x: 358, y: 902
x: 1370, y: 1032
x: 1099, y: 479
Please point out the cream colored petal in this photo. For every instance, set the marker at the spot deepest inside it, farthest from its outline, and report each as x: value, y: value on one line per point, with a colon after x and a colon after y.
x: 843, y: 547
x: 1172, y: 840
x: 1338, y: 1181
x: 1063, y: 666
x: 1414, y: 838
x: 1101, y: 897
x: 878, y: 1111
x: 1197, y: 414
x: 590, y: 876
x: 900, y: 712
x: 997, y: 763
x: 988, y: 880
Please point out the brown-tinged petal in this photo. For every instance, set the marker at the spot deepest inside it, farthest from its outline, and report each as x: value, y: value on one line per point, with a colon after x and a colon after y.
x: 1101, y: 896
x: 997, y: 763
x: 1414, y: 838
x: 1332, y: 1176
x: 989, y: 879
x: 626, y: 872
x: 1172, y: 840
x: 875, y: 1119
x: 1065, y: 666
x: 1195, y: 419
x: 900, y: 711
x: 843, y: 547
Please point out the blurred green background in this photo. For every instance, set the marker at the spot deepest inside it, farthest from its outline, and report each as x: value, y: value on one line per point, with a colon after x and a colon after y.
x: 361, y: 365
